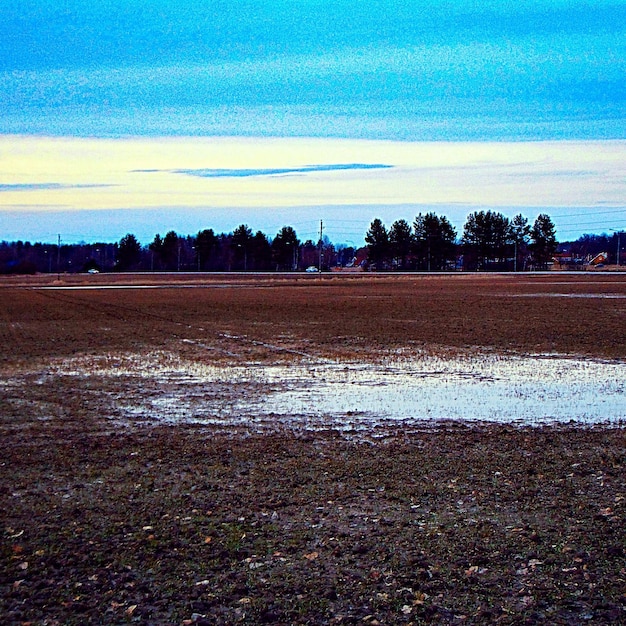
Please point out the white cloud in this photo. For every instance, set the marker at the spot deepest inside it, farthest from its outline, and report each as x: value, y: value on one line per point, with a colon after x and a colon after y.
x: 106, y: 174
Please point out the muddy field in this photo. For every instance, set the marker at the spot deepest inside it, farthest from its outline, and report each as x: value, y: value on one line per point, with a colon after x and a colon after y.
x: 143, y: 478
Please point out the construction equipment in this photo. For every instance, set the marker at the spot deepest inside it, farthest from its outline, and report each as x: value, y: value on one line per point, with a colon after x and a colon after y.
x: 599, y: 259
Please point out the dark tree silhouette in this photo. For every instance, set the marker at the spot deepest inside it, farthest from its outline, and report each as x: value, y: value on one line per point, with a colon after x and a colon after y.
x: 241, y: 246
x: 206, y: 246
x: 489, y: 242
x: 156, y: 253
x: 543, y: 240
x: 519, y: 233
x: 310, y: 254
x: 128, y: 253
x: 434, y: 241
x: 485, y: 238
x: 261, y: 253
x: 170, y: 251
x: 377, y: 240
x: 400, y: 242
x: 285, y: 249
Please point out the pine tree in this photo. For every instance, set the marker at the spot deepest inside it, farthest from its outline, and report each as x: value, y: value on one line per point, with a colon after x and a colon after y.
x: 543, y: 240
x: 377, y: 240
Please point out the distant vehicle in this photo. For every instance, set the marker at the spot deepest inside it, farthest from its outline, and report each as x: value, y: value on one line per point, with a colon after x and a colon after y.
x: 93, y: 271
x: 311, y: 269
x: 600, y: 259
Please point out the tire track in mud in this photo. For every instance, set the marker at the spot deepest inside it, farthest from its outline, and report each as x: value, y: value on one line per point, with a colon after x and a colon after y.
x: 116, y: 311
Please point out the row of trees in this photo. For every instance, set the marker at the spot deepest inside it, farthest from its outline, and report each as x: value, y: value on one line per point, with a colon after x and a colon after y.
x: 490, y: 241
x: 241, y: 250
x: 588, y: 246
x: 429, y: 245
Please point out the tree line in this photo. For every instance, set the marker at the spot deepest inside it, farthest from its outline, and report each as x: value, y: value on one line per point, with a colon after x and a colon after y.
x: 207, y: 251
x: 489, y: 241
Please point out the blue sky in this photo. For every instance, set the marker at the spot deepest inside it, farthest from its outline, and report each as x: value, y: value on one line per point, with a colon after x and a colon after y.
x: 405, y: 72
x: 380, y: 69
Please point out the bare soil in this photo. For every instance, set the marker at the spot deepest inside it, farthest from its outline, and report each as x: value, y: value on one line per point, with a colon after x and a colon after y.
x: 105, y: 523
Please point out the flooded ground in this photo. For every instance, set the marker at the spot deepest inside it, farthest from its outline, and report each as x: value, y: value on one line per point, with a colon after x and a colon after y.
x: 494, y: 389
x: 161, y: 387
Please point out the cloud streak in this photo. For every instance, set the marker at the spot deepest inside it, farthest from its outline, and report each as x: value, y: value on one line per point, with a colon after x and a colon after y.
x: 307, y: 169
x: 10, y: 187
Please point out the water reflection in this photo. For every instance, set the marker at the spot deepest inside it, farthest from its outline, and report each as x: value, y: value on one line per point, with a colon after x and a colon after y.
x: 526, y: 390
x: 163, y: 387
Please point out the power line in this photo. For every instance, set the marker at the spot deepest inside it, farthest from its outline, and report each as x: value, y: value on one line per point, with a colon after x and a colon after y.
x: 588, y: 210
x: 597, y: 223
x: 577, y: 231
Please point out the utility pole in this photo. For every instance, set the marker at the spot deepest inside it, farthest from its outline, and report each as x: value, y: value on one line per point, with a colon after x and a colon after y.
x: 618, y: 233
x: 59, y: 257
x: 321, y: 244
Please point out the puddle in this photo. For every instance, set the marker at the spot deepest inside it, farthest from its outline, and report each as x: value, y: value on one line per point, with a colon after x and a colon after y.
x: 496, y: 390
x: 601, y: 296
x: 486, y: 388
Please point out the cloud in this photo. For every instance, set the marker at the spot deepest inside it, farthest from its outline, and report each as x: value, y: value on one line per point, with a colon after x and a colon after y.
x: 279, y: 171
x: 524, y: 65
x: 46, y: 186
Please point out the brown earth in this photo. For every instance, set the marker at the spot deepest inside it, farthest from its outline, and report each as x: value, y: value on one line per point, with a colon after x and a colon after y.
x: 111, y: 523
x: 363, y: 314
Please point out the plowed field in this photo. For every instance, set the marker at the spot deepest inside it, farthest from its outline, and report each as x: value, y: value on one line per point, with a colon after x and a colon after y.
x: 123, y: 502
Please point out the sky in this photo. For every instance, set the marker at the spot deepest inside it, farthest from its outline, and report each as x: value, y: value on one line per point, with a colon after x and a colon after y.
x: 146, y: 116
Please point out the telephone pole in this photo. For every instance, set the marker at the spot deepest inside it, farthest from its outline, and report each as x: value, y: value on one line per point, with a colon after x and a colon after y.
x: 59, y: 257
x: 321, y: 248
x: 618, y: 233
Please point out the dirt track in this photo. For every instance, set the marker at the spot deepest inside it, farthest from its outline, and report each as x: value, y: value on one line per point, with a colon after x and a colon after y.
x: 451, y: 524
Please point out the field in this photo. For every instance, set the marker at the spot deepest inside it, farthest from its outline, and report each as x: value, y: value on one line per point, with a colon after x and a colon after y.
x: 142, y: 480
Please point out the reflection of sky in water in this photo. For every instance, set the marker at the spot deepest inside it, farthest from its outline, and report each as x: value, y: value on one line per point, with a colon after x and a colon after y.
x: 485, y: 388
x: 503, y: 390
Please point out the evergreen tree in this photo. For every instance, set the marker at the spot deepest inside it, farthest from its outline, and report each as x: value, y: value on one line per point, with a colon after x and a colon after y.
x: 519, y: 232
x: 261, y: 253
x: 377, y: 240
x: 434, y: 241
x: 156, y: 250
x: 206, y: 245
x: 285, y: 249
x: 543, y: 240
x: 128, y: 253
x: 400, y: 242
x: 485, y: 238
x: 170, y: 251
x: 240, y: 243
